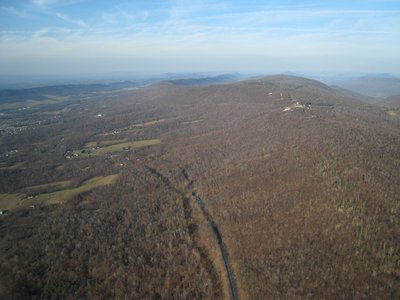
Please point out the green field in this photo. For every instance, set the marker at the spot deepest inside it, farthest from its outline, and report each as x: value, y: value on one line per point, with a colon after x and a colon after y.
x: 63, y: 195
x: 90, y: 145
x: 15, y: 166
x: 121, y: 146
x: 10, y: 201
x: 57, y: 112
x: 149, y: 123
x: 20, y: 200
x: 88, y: 150
x: 110, y: 142
x: 57, y: 185
x: 26, y: 104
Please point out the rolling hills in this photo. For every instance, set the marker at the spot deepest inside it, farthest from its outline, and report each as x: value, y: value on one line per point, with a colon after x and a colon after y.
x: 296, y: 181
x: 373, y: 86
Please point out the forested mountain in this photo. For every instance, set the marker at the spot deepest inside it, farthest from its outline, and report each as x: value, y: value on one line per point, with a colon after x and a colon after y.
x: 274, y: 187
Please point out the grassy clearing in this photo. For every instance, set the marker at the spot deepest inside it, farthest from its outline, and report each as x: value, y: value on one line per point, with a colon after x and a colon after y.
x: 26, y: 104
x: 133, y: 128
x: 63, y: 195
x: 127, y: 145
x: 114, y: 147
x: 57, y: 185
x: 111, y: 142
x: 10, y: 201
x: 149, y: 123
x: 57, y: 112
x: 91, y: 145
x: 192, y: 122
x: 18, y: 165
x: 20, y: 200
x: 393, y: 113
x: 58, y: 98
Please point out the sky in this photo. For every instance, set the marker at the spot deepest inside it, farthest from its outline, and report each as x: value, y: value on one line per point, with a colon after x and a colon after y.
x: 78, y: 37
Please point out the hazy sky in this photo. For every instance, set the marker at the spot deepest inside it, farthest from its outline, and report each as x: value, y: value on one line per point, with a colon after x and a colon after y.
x: 72, y: 37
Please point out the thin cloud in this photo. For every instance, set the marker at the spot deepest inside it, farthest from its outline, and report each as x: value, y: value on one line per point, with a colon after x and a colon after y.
x: 15, y: 12
x: 50, y: 3
x: 267, y: 16
x: 41, y: 32
x: 43, y: 2
x: 67, y: 19
x: 146, y: 36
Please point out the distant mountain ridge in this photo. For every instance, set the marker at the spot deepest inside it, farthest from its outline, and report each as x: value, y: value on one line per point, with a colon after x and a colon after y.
x: 285, y: 80
x: 368, y: 88
x: 38, y: 93
x: 392, y: 101
x: 373, y: 86
x: 351, y: 94
x: 224, y: 78
x: 249, y: 183
x: 380, y: 75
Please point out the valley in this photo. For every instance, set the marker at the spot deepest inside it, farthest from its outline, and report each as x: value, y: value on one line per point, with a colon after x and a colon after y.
x: 269, y: 187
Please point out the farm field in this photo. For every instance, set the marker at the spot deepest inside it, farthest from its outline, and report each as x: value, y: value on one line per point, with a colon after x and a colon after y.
x: 20, y: 200
x: 279, y: 186
x: 222, y: 150
x: 108, y: 147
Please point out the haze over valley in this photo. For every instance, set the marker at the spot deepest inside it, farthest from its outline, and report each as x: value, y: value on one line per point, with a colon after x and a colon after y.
x: 202, y: 150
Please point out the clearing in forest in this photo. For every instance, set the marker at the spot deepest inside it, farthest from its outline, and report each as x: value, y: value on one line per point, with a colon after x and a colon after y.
x: 90, y: 149
x: 19, y: 200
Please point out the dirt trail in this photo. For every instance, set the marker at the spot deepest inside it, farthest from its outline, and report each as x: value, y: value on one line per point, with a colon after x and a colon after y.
x: 221, y: 245
x: 210, y: 221
x: 217, y: 235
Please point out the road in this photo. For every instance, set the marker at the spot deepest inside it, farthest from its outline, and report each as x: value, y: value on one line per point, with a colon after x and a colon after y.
x: 210, y: 221
x: 221, y: 245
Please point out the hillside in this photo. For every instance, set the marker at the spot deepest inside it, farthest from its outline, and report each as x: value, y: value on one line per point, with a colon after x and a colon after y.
x: 40, y: 93
x: 354, y: 95
x: 274, y: 187
x: 377, y: 87
x: 225, y: 78
x: 393, y: 101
